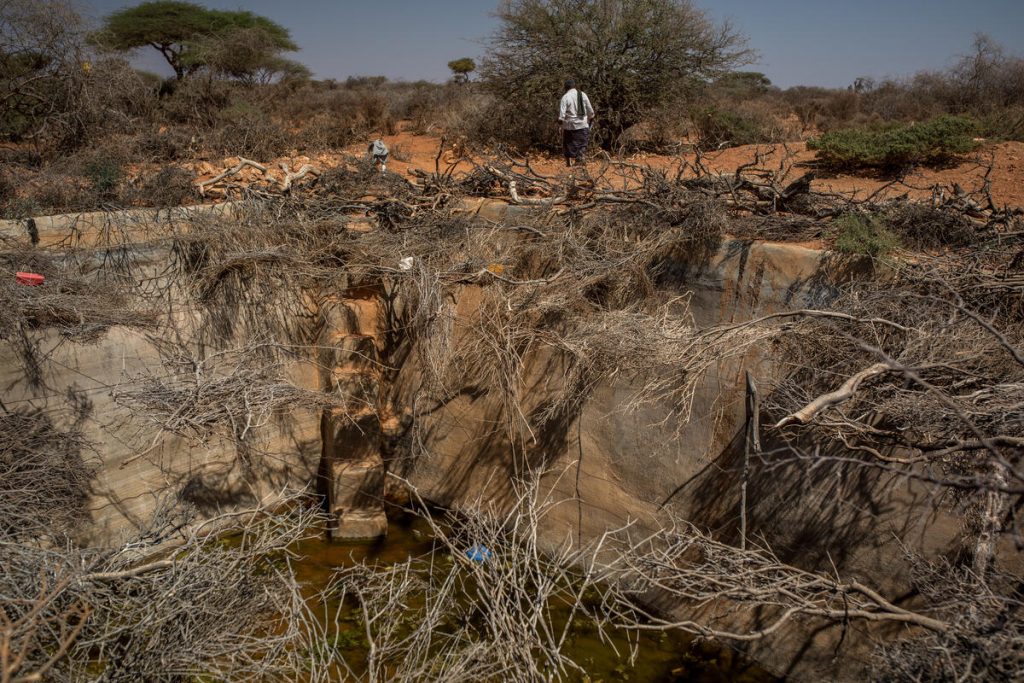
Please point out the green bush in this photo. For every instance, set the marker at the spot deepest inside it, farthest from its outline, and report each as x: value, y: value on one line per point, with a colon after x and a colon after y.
x: 105, y: 174
x: 718, y: 127
x: 863, y: 236
x: 897, y: 147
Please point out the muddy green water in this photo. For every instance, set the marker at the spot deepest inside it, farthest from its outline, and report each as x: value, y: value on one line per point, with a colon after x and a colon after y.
x: 663, y: 657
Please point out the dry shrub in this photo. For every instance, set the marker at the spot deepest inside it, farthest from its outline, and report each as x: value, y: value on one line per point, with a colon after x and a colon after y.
x: 332, y: 131
x: 894, y: 100
x: 519, y: 126
x: 99, y: 171
x: 1007, y: 124
x: 924, y: 226
x: 116, y: 97
x: 8, y: 190
x: 112, y: 100
x: 431, y: 107
x: 750, y: 123
x: 987, y: 84
x: 839, y: 108
x: 170, y: 186
x: 172, y: 144
x: 105, y: 175
x: 662, y: 131
x: 197, y: 101
x: 399, y: 152
x: 374, y: 111
x: 51, y: 192
x: 254, y: 136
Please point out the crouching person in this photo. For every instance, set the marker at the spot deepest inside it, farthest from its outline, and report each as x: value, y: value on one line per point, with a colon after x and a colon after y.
x: 378, y: 153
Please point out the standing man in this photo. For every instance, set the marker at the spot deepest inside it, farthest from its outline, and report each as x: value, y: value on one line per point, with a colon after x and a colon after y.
x: 575, y: 116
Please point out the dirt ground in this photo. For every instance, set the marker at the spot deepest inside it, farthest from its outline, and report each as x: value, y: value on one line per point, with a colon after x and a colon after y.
x: 1002, y: 162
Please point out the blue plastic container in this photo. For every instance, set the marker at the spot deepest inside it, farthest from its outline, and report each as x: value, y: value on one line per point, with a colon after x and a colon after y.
x: 479, y: 553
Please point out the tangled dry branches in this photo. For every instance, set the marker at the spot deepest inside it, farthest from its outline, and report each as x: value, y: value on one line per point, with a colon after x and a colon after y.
x: 506, y: 615
x: 45, y: 475
x: 937, y: 395
x: 232, y: 393
x: 206, y: 607
x: 703, y: 574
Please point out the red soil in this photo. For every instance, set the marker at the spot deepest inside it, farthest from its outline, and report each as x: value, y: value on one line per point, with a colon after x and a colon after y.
x: 1006, y: 159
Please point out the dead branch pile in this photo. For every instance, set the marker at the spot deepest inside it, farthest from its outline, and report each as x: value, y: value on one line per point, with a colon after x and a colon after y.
x: 80, y: 306
x: 266, y: 184
x: 449, y: 617
x: 45, y: 475
x: 231, y: 394
x: 230, y: 610
x: 919, y: 371
x: 257, y: 273
x: 701, y: 573
x: 985, y: 638
x: 933, y: 391
x: 961, y: 627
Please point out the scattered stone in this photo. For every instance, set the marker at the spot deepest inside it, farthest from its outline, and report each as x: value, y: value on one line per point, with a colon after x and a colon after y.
x: 360, y: 525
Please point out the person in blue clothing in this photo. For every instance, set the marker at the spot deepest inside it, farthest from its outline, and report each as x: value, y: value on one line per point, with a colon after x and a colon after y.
x: 575, y: 114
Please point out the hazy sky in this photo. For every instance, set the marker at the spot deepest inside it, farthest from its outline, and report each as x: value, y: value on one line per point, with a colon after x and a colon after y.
x: 808, y: 42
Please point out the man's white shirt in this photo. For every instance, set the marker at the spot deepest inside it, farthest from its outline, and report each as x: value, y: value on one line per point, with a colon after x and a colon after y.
x: 567, y: 114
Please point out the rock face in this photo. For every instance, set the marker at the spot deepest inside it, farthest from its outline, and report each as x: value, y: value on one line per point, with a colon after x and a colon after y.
x: 352, y: 469
x: 128, y: 488
x: 338, y: 452
x: 609, y: 467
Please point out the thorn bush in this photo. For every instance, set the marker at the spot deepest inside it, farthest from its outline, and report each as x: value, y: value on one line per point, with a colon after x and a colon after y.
x: 864, y: 236
x: 897, y: 147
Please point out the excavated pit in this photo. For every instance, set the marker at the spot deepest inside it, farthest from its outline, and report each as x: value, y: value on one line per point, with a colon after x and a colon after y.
x: 608, y: 466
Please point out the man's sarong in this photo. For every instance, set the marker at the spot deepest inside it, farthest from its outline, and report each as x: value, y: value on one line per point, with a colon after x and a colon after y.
x: 574, y: 142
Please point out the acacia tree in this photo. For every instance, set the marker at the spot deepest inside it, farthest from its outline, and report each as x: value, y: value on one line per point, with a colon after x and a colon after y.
x: 631, y: 57
x: 183, y: 32
x: 249, y: 55
x: 461, y: 68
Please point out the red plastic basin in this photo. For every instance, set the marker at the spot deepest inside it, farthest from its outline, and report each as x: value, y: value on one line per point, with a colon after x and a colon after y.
x: 29, y: 279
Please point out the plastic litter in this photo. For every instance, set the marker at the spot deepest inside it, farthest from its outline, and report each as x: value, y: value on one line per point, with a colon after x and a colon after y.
x: 406, y: 263
x: 479, y: 553
x: 29, y: 279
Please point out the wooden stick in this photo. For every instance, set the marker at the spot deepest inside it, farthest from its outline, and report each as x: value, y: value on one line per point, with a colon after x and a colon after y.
x: 242, y: 163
